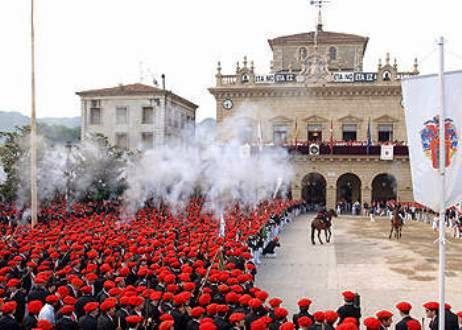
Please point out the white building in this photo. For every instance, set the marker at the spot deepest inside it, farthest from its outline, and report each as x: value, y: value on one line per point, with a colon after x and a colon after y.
x: 136, y: 116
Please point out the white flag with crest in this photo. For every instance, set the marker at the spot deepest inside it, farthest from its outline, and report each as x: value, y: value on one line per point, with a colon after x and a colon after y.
x: 422, y: 105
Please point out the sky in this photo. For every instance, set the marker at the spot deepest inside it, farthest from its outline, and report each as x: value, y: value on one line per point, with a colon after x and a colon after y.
x: 86, y: 44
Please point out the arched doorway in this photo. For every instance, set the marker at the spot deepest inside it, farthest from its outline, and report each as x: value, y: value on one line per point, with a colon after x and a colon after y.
x: 384, y: 188
x: 314, y: 190
x: 348, y: 189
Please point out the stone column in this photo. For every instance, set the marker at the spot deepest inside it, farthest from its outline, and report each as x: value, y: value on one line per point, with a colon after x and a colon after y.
x: 366, y: 195
x: 331, y: 196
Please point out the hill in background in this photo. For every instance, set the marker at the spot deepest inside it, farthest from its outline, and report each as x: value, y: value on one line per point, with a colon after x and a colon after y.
x: 10, y: 120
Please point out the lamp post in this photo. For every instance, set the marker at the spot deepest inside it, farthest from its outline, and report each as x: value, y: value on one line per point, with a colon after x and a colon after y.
x: 68, y: 173
x: 33, y: 130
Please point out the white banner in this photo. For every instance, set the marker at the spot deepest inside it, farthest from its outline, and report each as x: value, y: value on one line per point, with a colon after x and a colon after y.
x: 386, y: 152
x: 421, y: 101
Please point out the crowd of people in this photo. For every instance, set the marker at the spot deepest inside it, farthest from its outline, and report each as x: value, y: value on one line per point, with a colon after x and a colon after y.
x: 165, y: 269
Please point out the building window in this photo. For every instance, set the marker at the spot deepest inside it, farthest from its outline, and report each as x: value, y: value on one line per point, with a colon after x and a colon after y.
x: 122, y: 140
x: 333, y: 53
x: 385, y: 132
x: 350, y: 132
x: 95, y: 103
x: 148, y: 115
x: 121, y: 116
x: 147, y: 139
x: 95, y: 116
x: 280, y: 134
x: 183, y: 120
x: 315, y: 133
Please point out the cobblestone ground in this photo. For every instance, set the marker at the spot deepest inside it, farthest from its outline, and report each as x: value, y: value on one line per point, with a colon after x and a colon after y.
x: 361, y: 258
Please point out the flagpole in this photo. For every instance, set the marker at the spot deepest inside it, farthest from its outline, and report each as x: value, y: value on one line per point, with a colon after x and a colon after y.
x: 33, y: 129
x: 442, y: 168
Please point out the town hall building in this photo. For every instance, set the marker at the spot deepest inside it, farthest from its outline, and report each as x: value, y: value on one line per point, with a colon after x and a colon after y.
x: 344, y: 127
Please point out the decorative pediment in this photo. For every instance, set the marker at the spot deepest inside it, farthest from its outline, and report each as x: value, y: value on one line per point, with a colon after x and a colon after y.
x: 315, y: 119
x: 350, y: 119
x: 281, y: 119
x: 385, y: 119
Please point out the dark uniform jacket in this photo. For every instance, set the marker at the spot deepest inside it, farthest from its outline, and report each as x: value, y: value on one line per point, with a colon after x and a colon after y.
x: 275, y: 325
x: 222, y: 324
x: 80, y: 304
x: 105, y: 323
x: 348, y: 310
x: 65, y: 323
x: 20, y: 299
x: 299, y: 315
x: 450, y: 322
x: 30, y: 322
x: 121, y: 314
x: 7, y: 322
x: 252, y: 316
x: 401, y: 325
x: 315, y: 326
x: 193, y: 325
x: 181, y: 320
x: 88, y: 322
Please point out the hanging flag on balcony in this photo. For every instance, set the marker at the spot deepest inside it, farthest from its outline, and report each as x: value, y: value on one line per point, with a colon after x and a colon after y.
x: 331, y: 144
x: 386, y: 152
x: 296, y: 132
x: 421, y: 101
x: 369, y: 137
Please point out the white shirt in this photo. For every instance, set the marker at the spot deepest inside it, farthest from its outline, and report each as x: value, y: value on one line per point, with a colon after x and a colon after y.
x: 47, y: 313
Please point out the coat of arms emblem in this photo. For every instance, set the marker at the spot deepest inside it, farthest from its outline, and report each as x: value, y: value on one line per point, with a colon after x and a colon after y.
x: 430, y: 139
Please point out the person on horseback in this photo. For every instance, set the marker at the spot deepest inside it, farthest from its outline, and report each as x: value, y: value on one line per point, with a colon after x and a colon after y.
x: 323, y: 215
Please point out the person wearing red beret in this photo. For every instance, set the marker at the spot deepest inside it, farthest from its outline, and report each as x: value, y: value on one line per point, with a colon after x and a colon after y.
x: 179, y: 313
x: 331, y: 318
x: 280, y: 317
x: 304, y: 323
x: 404, y: 309
x: 85, y: 298
x: 7, y: 321
x: 220, y: 318
x: 49, y: 309
x: 66, y: 322
x: 89, y: 320
x: 413, y: 325
x: 135, y: 322
x: 256, y: 311
x: 196, y: 314
x: 33, y: 308
x: 349, y: 308
x: 304, y: 306
x: 385, y: 318
x: 237, y: 321
x: 106, y: 317
x: 371, y: 323
x: 14, y: 293
x: 432, y: 312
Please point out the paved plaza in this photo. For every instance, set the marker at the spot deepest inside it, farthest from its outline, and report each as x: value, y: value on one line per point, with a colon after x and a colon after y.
x: 361, y: 258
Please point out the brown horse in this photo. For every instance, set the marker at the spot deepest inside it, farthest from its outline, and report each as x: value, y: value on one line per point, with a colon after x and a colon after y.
x: 322, y: 223
x: 396, y: 224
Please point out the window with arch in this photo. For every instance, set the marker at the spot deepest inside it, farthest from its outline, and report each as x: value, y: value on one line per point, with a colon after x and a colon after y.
x: 333, y: 53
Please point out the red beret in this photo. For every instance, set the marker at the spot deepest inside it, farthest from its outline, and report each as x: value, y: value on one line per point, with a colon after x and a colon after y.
x: 85, y: 289
x: 371, y: 323
x: 262, y: 295
x: 205, y: 299
x: 90, y: 307
x: 348, y: 295
x: 134, y: 319
x: 44, y: 325
x: 166, y: 325
x: 197, y: 312
x: 319, y: 316
x: 304, y: 321
x: 108, y: 304
x: 207, y: 326
x: 236, y: 317
x: 9, y: 307
x: 69, y: 300
x: 331, y: 316
x: 34, y: 307
x: 280, y: 312
x: 275, y: 302
x: 413, y: 325
x: 350, y: 319
x: 459, y: 314
x: 136, y: 301
x: 303, y: 303
x: 431, y: 305
x: 287, y: 326
x: 255, y: 303
x: 67, y: 309
x: 14, y: 282
x: 404, y: 307
x: 384, y: 315
x: 51, y: 299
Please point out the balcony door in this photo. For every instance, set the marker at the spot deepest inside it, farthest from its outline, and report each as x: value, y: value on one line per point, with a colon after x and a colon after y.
x: 315, y: 133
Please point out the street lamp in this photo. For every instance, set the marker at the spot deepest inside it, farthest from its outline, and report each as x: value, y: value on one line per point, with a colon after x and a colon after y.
x: 68, y: 173
x: 33, y: 127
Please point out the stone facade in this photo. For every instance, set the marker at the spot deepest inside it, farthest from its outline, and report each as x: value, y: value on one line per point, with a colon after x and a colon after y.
x: 137, y: 116
x: 316, y: 95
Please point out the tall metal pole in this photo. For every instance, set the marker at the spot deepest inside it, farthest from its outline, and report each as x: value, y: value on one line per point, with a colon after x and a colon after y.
x: 442, y: 168
x: 33, y: 129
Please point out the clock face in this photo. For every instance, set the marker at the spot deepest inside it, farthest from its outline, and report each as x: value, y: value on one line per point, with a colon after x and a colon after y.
x: 228, y: 104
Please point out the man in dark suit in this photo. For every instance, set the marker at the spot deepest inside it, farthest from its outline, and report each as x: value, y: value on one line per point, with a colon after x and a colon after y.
x: 432, y: 313
x: 8, y: 322
x: 404, y: 309
x: 66, y: 322
x: 304, y: 306
x: 349, y: 309
x: 15, y: 293
x: 385, y: 318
